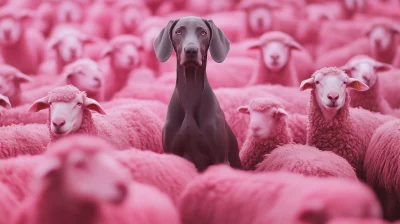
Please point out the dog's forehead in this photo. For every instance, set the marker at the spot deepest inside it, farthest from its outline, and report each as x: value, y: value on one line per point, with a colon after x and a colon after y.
x: 191, y: 22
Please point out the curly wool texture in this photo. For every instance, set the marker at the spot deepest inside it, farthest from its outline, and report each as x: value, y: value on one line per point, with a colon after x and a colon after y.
x: 306, y: 160
x: 254, y: 149
x: 20, y: 115
x: 30, y: 139
x: 225, y: 195
x: 169, y: 173
x: 347, y: 134
x: 64, y: 94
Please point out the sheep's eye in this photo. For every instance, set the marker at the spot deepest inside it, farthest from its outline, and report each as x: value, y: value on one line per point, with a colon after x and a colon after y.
x: 50, y: 103
x: 316, y: 82
x: 203, y: 33
x: 178, y: 32
x: 80, y: 165
x: 79, y: 104
x: 345, y: 82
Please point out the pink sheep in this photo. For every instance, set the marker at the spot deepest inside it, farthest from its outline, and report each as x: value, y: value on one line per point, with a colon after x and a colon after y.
x: 224, y: 195
x: 306, y: 160
x: 20, y: 115
x: 391, y: 82
x: 158, y: 92
x: 367, y: 70
x: 275, y: 65
x: 169, y: 173
x: 123, y: 54
x: 396, y: 60
x: 382, y: 39
x: 95, y: 188
x: 332, y: 125
x: 30, y: 139
x: 99, y: 18
x: 268, y: 129
x: 70, y: 112
x: 382, y: 168
x: 9, y: 205
x: 10, y: 83
x: 70, y: 12
x: 127, y: 17
x: 357, y: 221
x: 21, y: 47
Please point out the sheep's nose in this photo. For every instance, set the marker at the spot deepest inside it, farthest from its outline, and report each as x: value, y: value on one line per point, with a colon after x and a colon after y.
x: 191, y: 51
x: 97, y: 82
x: 255, y: 129
x: 260, y: 22
x: 58, y: 122
x: 7, y: 33
x: 333, y: 96
x: 275, y: 56
x: 378, y: 42
x: 68, y: 16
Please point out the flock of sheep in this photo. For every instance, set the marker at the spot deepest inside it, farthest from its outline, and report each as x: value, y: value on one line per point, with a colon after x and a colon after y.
x: 310, y: 89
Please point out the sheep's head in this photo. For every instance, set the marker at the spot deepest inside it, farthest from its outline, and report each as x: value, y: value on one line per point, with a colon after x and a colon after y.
x: 84, y: 74
x: 70, y: 47
x: 11, y: 79
x: 12, y: 26
x: 276, y: 48
x: 124, y: 51
x: 67, y: 105
x: 259, y: 14
x: 149, y: 30
x: 365, y: 69
x: 217, y: 6
x: 318, y: 13
x: 132, y: 14
x: 4, y: 101
x: 329, y: 85
x: 381, y: 34
x: 265, y: 116
x: 85, y: 170
x: 353, y: 6
x: 70, y: 11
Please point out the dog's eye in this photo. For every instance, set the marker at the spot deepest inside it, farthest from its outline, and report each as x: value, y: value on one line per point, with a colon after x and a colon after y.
x: 79, y: 104
x: 203, y: 33
x: 178, y: 32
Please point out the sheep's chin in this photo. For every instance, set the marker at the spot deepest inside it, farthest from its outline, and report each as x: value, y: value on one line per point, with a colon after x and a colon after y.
x: 67, y: 132
x: 329, y: 111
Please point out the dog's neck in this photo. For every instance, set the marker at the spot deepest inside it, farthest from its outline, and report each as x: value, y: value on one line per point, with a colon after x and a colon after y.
x: 190, y: 84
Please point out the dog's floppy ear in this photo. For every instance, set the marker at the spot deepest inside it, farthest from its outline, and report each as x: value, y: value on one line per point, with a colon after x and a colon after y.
x: 219, y: 44
x: 163, y: 43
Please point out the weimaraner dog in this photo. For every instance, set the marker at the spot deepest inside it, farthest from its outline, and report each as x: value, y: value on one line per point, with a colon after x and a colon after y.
x: 195, y: 127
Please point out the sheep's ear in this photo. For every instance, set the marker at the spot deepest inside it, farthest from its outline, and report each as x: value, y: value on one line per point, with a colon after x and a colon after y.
x: 4, y: 101
x: 356, y: 85
x: 294, y: 45
x: 91, y: 104
x: 243, y: 110
x: 22, y: 78
x: 254, y: 45
x: 40, y: 104
x: 312, y: 212
x: 280, y: 112
x: 382, y: 67
x: 106, y: 52
x: 307, y: 84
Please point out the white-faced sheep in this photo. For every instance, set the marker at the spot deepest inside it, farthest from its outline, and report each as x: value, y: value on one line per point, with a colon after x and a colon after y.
x: 70, y: 112
x: 382, y: 167
x: 224, y: 195
x: 268, y: 129
x: 275, y: 65
x: 306, y: 160
x: 10, y: 83
x: 367, y: 70
x: 332, y: 125
x: 82, y: 184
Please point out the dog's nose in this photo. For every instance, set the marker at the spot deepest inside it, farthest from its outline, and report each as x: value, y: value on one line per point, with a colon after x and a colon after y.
x: 58, y: 122
x: 333, y: 96
x: 191, y: 51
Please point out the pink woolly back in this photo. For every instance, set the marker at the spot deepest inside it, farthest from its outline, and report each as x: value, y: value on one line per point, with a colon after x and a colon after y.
x: 125, y: 39
x: 4, y: 68
x: 275, y: 36
x: 329, y: 71
x: 263, y: 104
x: 64, y: 93
x: 151, y: 22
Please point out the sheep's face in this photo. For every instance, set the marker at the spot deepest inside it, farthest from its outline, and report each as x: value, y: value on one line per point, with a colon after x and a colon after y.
x: 330, y: 90
x: 126, y: 56
x: 10, y: 81
x: 131, y: 17
x: 317, y: 14
x: 70, y: 12
x: 365, y: 70
x: 260, y: 20
x: 85, y: 75
x: 10, y: 31
x: 381, y: 38
x: 275, y: 55
x: 95, y: 177
x: 263, y: 123
x: 70, y: 48
x: 149, y: 36
x: 354, y: 5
